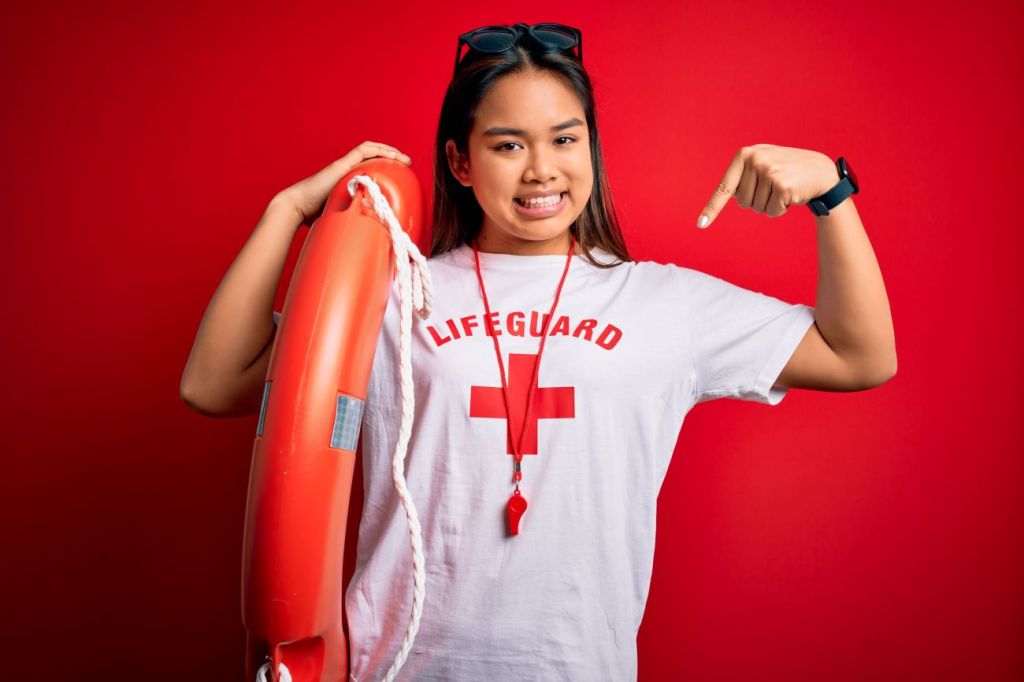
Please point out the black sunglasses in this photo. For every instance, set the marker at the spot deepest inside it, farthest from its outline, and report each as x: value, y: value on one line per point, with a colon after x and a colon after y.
x: 497, y: 38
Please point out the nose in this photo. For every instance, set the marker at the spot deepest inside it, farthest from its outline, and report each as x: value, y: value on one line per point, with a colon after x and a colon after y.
x: 539, y: 166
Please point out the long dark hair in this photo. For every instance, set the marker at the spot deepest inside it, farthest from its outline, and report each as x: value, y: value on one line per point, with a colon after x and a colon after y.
x: 457, y: 216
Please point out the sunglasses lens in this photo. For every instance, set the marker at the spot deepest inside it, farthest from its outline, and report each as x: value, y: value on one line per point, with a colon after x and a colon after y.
x: 555, y: 38
x: 493, y: 40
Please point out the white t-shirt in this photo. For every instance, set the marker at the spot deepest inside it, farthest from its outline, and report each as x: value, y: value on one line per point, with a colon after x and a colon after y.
x: 630, y: 351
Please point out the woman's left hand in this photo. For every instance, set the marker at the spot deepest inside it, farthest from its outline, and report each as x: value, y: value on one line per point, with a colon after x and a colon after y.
x: 769, y: 178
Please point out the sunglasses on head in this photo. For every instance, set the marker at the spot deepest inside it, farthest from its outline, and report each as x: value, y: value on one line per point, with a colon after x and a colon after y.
x: 497, y: 38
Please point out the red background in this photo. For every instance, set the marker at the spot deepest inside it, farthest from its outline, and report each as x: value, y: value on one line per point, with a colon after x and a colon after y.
x: 844, y: 536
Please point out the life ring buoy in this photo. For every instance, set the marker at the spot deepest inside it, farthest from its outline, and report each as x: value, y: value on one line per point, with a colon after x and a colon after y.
x: 304, y: 454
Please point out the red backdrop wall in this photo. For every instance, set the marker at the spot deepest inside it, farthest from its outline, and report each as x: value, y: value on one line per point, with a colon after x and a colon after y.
x: 843, y: 536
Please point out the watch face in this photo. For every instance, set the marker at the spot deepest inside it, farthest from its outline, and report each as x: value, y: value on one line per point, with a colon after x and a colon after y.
x: 850, y: 174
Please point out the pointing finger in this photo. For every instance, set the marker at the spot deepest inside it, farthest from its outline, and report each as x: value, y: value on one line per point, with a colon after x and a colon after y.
x: 726, y: 188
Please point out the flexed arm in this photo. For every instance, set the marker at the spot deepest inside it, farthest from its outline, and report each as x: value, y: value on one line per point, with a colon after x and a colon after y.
x: 852, y: 345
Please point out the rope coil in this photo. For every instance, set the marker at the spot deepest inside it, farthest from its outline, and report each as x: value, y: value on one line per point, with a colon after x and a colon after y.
x: 413, y: 275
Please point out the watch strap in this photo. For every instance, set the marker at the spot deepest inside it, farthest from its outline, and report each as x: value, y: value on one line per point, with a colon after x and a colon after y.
x: 821, y: 205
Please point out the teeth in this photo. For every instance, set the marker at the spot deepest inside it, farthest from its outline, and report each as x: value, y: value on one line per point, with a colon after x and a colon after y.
x: 546, y: 201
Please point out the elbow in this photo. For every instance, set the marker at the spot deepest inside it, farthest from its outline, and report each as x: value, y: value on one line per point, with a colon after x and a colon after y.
x: 209, y: 401
x: 883, y: 366
x: 890, y: 370
x: 193, y: 398
x: 201, y: 406
x: 188, y: 395
x: 880, y: 374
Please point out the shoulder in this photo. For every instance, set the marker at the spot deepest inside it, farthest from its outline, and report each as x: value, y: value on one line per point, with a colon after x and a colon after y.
x: 444, y: 256
x: 456, y: 259
x: 657, y: 274
x: 689, y: 287
x: 696, y: 282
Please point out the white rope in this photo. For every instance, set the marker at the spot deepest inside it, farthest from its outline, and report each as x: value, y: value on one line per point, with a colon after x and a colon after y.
x: 412, y: 274
x: 282, y: 675
x: 412, y: 270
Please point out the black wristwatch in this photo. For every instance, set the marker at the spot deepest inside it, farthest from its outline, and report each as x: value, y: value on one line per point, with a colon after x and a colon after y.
x: 848, y: 185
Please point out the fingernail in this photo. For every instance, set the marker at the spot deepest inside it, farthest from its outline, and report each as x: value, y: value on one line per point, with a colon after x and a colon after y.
x: 703, y: 222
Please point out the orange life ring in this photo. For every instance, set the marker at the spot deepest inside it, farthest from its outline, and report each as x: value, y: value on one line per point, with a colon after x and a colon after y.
x: 308, y: 430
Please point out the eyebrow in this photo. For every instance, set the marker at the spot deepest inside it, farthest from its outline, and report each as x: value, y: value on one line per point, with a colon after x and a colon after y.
x: 517, y: 131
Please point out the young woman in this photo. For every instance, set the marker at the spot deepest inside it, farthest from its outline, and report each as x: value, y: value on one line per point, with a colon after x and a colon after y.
x: 553, y: 369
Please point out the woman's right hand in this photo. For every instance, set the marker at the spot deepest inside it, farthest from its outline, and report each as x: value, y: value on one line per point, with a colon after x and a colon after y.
x: 309, y: 196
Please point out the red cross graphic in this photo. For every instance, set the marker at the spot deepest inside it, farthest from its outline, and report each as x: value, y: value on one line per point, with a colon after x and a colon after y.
x: 551, y: 402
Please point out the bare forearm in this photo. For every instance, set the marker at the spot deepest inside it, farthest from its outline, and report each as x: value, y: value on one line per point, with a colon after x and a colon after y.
x: 852, y: 307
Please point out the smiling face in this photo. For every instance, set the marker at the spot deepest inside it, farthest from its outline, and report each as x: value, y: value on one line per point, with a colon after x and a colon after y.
x: 530, y: 137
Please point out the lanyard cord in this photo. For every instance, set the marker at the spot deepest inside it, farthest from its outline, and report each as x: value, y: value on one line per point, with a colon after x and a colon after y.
x: 517, y: 448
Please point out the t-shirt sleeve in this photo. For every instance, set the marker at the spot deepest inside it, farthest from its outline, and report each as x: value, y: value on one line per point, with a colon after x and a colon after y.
x: 740, y: 339
x: 277, y: 318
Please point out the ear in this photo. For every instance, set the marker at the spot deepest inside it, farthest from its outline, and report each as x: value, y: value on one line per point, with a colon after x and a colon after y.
x: 458, y: 163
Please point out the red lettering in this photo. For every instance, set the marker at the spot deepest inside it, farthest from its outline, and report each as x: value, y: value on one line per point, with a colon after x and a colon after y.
x: 535, y: 328
x: 515, y: 324
x: 610, y: 330
x: 468, y: 323
x: 437, y: 337
x: 561, y: 327
x: 585, y: 327
x: 492, y: 324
